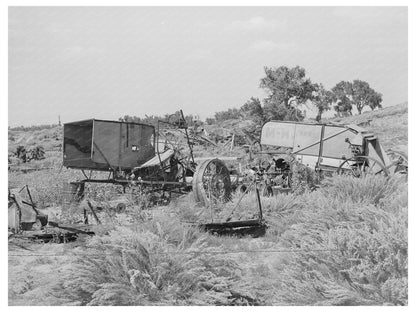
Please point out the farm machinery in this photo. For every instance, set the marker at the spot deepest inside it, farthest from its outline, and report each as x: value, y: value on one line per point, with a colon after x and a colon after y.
x: 324, y: 149
x: 158, y: 161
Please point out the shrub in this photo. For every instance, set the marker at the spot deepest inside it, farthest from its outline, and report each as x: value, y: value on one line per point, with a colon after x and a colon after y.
x: 21, y: 153
x: 303, y: 178
x: 37, y: 153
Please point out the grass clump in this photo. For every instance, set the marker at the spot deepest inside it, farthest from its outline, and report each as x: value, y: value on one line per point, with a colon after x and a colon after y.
x: 160, y: 263
x: 349, y: 242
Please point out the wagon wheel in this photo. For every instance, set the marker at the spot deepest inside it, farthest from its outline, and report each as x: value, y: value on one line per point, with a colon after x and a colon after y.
x: 211, y: 182
x: 361, y: 166
x: 399, y: 161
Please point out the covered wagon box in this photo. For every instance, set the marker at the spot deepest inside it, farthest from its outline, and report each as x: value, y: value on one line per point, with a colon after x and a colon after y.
x: 107, y: 145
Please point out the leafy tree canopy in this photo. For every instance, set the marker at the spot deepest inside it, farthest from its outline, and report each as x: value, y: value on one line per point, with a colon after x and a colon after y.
x: 357, y: 93
x: 253, y: 109
x: 343, y: 102
x: 363, y: 95
x: 231, y: 113
x: 287, y: 88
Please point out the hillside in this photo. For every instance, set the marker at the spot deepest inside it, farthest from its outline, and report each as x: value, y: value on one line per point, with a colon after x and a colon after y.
x: 50, y: 139
x: 389, y: 124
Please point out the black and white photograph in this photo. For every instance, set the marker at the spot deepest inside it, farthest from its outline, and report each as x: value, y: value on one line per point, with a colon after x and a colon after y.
x: 207, y: 155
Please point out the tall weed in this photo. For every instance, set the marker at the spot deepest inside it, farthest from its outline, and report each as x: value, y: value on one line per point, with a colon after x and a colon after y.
x: 349, y: 242
x: 161, y: 263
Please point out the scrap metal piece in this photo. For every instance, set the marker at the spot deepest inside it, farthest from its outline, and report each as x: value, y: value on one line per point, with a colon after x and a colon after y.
x: 20, y: 215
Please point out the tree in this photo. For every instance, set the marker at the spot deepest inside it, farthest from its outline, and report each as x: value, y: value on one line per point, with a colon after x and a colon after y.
x: 358, y: 94
x: 287, y: 88
x: 231, y: 113
x: 21, y: 153
x: 363, y: 95
x: 210, y: 121
x: 323, y: 100
x: 252, y: 109
x: 342, y: 92
x: 375, y: 100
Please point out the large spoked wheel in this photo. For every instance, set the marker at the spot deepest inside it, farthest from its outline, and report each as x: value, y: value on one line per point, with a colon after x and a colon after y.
x: 211, y: 183
x: 361, y: 166
x: 399, y: 161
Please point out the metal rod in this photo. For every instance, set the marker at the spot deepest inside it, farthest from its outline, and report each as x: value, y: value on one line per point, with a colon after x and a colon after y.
x: 187, y: 138
x: 31, y: 200
x: 119, y: 146
x: 22, y: 188
x: 259, y: 204
x: 93, y: 212
x: 330, y: 137
x: 321, y: 144
x: 239, y: 201
x: 114, y: 181
x: 83, y: 172
x: 157, y: 147
x: 85, y: 216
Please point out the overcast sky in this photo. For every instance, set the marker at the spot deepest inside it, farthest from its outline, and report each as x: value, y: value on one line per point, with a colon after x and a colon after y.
x: 107, y: 62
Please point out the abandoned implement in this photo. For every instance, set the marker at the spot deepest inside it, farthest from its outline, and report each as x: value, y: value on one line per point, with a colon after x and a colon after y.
x: 325, y: 148
x: 28, y: 222
x: 157, y: 161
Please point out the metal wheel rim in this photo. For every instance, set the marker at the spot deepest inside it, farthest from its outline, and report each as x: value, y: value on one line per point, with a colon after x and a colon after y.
x: 211, y: 182
x: 365, y: 166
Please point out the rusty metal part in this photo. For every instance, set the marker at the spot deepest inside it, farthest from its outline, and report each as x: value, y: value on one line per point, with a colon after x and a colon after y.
x: 211, y: 182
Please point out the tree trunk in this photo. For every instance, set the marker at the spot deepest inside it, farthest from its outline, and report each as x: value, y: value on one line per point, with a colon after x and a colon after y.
x: 360, y: 107
x: 319, y: 116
